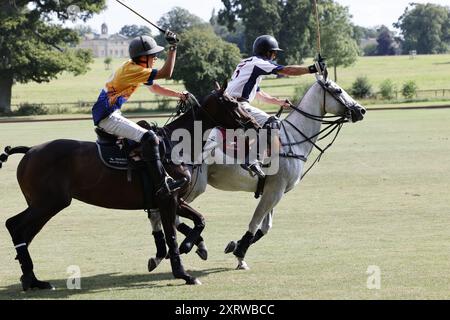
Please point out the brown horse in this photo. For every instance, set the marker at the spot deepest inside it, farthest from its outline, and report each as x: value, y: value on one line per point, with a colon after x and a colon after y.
x: 50, y: 175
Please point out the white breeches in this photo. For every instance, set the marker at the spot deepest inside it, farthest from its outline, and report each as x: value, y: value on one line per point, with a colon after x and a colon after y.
x: 120, y: 126
x: 260, y: 116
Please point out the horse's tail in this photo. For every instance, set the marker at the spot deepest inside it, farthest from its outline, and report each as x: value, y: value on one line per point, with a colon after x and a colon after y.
x: 10, y: 151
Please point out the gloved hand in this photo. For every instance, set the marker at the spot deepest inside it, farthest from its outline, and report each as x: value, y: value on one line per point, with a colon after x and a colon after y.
x: 184, y: 95
x: 171, y: 37
x: 318, y: 67
x: 286, y: 104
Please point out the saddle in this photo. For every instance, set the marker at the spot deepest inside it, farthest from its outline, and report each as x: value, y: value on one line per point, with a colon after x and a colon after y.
x: 111, y: 151
x: 126, y: 155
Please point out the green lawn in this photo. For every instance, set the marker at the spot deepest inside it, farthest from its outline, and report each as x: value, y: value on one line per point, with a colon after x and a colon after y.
x: 429, y: 72
x: 378, y: 197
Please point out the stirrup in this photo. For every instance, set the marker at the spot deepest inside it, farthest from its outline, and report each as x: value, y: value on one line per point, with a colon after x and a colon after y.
x: 254, y: 169
x: 170, y: 185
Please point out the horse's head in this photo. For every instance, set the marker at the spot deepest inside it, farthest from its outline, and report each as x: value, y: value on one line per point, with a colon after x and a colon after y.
x: 226, y: 111
x: 338, y: 102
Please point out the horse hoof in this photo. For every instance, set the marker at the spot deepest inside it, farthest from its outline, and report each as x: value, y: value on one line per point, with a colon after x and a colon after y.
x: 193, y: 281
x: 33, y: 284
x: 153, y: 263
x: 202, y: 253
x: 242, y: 265
x: 231, y: 246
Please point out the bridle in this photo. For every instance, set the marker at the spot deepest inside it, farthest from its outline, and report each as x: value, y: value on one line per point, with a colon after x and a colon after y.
x: 192, y: 104
x: 332, y: 126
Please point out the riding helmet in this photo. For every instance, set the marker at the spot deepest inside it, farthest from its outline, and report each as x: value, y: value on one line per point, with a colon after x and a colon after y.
x: 264, y: 44
x: 143, y: 46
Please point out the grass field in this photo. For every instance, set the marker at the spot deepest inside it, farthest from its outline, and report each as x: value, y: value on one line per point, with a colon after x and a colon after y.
x: 429, y: 72
x: 379, y: 197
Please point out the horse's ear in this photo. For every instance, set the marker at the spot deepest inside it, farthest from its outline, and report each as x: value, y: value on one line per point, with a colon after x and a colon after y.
x: 217, y: 86
x: 225, y: 85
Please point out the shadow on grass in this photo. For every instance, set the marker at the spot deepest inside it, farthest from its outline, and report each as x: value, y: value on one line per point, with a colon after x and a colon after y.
x: 103, y: 283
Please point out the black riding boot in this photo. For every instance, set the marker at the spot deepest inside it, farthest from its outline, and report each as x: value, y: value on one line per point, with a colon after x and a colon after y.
x: 253, y: 166
x: 165, y: 184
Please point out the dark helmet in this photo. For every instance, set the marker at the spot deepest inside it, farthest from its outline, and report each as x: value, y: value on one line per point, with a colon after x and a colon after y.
x: 264, y: 44
x: 143, y: 46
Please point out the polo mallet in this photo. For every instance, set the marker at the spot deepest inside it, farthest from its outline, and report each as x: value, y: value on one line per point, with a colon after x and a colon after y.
x: 319, y: 48
x: 145, y: 19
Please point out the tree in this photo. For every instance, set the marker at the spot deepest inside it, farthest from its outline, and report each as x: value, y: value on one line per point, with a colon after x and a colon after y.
x: 363, y: 33
x: 425, y: 28
x: 200, y: 65
x: 178, y: 20
x: 82, y: 30
x: 338, y: 44
x: 385, y: 42
x: 295, y: 34
x: 258, y: 17
x: 107, y: 62
x: 132, y: 31
x: 237, y: 36
x: 34, y: 49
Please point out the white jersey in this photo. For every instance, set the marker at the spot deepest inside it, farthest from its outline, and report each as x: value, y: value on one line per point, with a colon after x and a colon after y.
x: 248, y: 75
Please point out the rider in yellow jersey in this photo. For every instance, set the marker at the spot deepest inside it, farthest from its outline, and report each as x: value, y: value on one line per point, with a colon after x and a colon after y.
x: 137, y: 71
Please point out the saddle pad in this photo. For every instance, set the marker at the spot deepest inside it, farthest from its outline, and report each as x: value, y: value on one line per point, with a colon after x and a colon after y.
x: 112, y: 156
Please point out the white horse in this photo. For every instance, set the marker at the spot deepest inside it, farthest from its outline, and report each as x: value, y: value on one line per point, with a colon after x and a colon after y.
x: 299, y: 133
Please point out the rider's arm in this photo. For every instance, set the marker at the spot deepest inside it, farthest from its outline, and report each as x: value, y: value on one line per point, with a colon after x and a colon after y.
x: 163, y: 91
x: 166, y: 71
x: 294, y: 70
x: 319, y: 66
x: 267, y: 98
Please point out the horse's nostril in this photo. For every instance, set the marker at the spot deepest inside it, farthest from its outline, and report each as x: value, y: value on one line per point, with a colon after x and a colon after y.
x: 363, y: 111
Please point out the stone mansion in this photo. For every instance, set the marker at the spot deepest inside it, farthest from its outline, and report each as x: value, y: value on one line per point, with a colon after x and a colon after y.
x: 105, y: 45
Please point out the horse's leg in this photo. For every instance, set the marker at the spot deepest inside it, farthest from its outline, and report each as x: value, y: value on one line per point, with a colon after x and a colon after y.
x: 168, y: 207
x: 202, y: 250
x: 272, y: 195
x: 160, y: 241
x: 193, y: 236
x: 265, y: 226
x: 261, y: 232
x: 23, y: 228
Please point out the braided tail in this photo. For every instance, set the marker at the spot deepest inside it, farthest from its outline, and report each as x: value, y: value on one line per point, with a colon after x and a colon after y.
x: 10, y: 151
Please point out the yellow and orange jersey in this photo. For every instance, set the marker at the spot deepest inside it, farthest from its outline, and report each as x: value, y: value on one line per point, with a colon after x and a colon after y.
x: 122, y: 84
x: 125, y: 81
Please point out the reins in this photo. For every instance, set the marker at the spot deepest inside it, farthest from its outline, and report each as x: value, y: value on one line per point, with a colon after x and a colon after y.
x: 333, y: 126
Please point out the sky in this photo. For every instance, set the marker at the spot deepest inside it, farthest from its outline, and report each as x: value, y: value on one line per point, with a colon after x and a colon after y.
x: 367, y: 13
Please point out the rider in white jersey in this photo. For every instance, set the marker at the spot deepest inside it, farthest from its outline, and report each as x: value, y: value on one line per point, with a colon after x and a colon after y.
x: 244, y: 84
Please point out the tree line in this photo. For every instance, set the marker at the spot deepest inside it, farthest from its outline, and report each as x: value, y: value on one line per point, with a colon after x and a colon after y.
x: 32, y: 49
